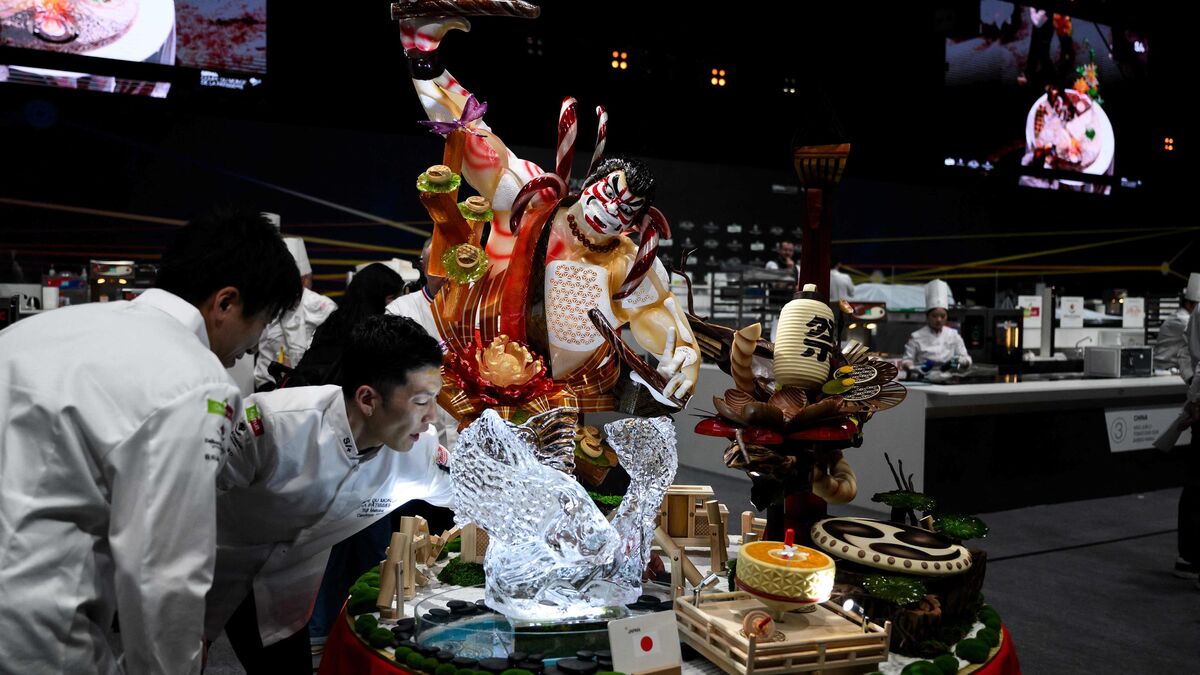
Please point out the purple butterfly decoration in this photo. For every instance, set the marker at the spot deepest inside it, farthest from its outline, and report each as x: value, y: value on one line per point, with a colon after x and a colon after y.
x: 473, y: 111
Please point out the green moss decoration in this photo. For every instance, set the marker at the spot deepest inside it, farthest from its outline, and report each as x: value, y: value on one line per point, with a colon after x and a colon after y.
x: 973, y: 650
x: 460, y: 573
x: 424, y: 185
x: 605, y: 503
x: 380, y: 638
x: 402, y: 653
x: 732, y: 565
x: 947, y: 663
x: 952, y: 633
x: 902, y: 591
x: 446, y: 669
x: 905, y: 499
x: 988, y: 617
x: 414, y: 661
x: 361, y: 605
x: 960, y: 527
x: 464, y: 275
x: 430, y: 664
x: 366, y: 623
x: 468, y: 671
x: 989, y: 635
x: 516, y: 671
x: 485, y: 217
x: 921, y: 668
x: 454, y: 545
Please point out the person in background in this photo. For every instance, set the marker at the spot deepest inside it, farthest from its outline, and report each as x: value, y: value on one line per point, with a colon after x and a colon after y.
x: 936, y: 345
x: 785, y: 259
x: 1187, y: 565
x: 114, y: 419
x: 311, y: 466
x: 418, y: 305
x: 369, y: 292
x: 287, y: 339
x: 841, y: 286
x: 1171, y: 348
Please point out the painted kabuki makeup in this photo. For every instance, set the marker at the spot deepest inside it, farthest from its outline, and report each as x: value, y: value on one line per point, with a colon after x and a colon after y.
x: 608, y: 205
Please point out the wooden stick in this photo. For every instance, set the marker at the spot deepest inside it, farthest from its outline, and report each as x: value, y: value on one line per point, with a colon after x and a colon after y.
x: 687, y: 567
x: 387, y: 578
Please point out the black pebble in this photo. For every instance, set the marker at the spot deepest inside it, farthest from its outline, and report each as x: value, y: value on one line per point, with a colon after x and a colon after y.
x: 634, y: 605
x: 481, y: 604
x: 426, y: 650
x: 440, y: 613
x: 493, y: 665
x: 532, y: 666
x: 578, y: 666
x: 648, y: 599
x: 552, y: 671
x: 407, y: 643
x: 445, y: 656
x: 585, y: 655
x: 456, y: 603
x: 666, y: 606
x: 401, y: 635
x: 463, y: 611
x: 537, y: 657
x: 517, y: 657
x: 405, y: 624
x: 429, y: 618
x: 604, y: 654
x: 605, y: 664
x: 461, y: 662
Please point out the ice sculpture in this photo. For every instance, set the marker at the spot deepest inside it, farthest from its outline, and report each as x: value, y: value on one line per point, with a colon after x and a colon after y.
x: 553, y: 556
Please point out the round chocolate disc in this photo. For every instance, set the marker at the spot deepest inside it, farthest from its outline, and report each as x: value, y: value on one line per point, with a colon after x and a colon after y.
x: 887, y: 546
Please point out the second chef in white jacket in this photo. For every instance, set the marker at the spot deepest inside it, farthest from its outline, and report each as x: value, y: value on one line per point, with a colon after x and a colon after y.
x: 310, y: 467
x: 935, y: 344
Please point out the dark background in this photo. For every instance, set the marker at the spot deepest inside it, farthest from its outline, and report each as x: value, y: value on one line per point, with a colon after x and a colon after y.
x: 330, y: 140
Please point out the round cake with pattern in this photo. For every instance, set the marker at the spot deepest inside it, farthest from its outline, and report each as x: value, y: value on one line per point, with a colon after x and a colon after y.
x: 894, y: 547
x: 775, y: 571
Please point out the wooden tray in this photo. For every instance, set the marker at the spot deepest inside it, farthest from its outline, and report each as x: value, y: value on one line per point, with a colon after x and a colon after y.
x: 827, y: 638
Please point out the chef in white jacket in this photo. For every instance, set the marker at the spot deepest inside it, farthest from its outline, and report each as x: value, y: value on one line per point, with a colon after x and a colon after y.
x: 286, y: 339
x: 312, y: 466
x: 1171, y: 348
x: 113, y: 420
x: 936, y: 343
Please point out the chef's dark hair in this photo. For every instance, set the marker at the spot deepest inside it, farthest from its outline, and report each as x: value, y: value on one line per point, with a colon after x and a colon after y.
x: 232, y: 248
x: 381, y: 351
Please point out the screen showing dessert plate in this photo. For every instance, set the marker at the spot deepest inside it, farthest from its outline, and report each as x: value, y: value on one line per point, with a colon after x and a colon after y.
x: 226, y: 36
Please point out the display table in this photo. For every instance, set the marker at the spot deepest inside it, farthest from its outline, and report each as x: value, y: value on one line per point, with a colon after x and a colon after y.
x: 1039, y: 442
x: 346, y: 653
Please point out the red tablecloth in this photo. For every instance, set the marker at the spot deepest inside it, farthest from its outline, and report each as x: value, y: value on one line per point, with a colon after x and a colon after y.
x: 345, y: 654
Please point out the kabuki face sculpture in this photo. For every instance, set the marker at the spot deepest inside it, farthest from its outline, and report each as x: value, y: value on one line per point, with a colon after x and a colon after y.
x: 608, y: 205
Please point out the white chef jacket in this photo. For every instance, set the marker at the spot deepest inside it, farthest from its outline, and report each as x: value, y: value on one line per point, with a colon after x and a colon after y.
x: 293, y: 333
x: 1171, y: 348
x: 417, y: 306
x: 841, y: 286
x: 1193, y: 342
x: 113, y: 420
x: 925, y: 345
x: 291, y: 489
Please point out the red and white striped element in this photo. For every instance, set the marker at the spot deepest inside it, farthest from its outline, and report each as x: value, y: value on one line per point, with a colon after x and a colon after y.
x: 425, y: 35
x: 601, y: 136
x: 568, y: 128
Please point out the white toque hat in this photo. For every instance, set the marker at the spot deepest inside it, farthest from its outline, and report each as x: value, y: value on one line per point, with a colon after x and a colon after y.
x: 1192, y: 292
x: 937, y: 294
x: 295, y: 246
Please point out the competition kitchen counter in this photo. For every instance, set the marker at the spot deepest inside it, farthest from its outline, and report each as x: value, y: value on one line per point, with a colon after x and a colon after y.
x: 991, y: 446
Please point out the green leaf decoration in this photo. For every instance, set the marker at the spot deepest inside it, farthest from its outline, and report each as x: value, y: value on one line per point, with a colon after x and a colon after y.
x: 902, y: 591
x: 905, y: 499
x: 960, y: 527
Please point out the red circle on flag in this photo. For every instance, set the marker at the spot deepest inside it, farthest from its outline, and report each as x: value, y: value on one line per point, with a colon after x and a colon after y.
x: 647, y: 643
